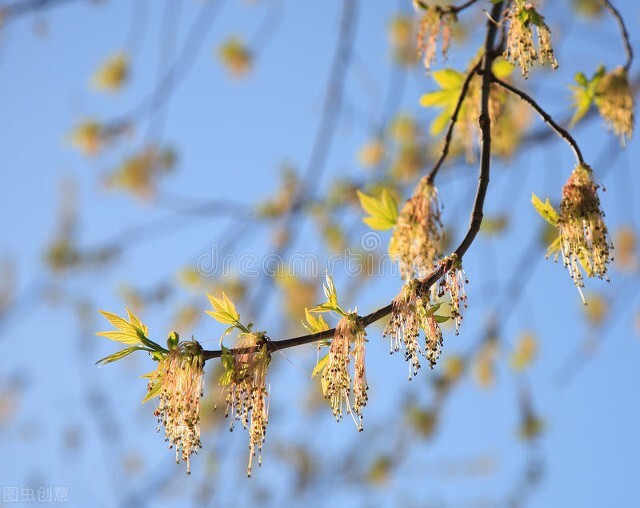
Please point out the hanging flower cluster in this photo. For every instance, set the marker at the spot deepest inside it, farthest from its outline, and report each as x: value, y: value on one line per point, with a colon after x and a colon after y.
x: 615, y: 102
x: 246, y: 389
x: 435, y: 22
x: 418, y: 236
x: 179, y: 377
x: 336, y: 378
x: 345, y: 390
x: 453, y: 282
x: 585, y: 242
x: 411, y: 312
x: 521, y: 49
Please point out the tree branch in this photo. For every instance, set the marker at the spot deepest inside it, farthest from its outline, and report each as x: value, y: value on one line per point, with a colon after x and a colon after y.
x: 455, y: 9
x: 623, y: 31
x: 476, y: 214
x: 485, y: 129
x: 562, y: 132
x: 452, y: 122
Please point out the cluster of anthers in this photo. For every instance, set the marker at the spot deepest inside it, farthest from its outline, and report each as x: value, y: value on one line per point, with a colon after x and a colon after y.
x: 615, y: 103
x: 453, y: 282
x: 434, y: 22
x: 336, y: 379
x: 180, y: 374
x: 247, y: 398
x: 418, y: 236
x: 412, y: 311
x: 585, y: 241
x: 521, y: 49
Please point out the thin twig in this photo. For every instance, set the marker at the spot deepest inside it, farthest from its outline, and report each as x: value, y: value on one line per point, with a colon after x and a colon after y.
x: 623, y: 31
x: 450, y: 9
x: 562, y: 132
x: 455, y: 9
x: 476, y: 214
x: 452, y: 122
x: 485, y: 128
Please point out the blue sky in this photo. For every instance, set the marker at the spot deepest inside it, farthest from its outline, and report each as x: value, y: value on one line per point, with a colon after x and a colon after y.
x: 232, y: 136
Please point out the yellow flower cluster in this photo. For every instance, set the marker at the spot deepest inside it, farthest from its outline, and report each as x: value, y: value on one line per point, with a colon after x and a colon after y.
x: 247, y: 399
x: 417, y: 238
x: 411, y: 312
x: 180, y: 375
x: 521, y: 49
x: 336, y: 378
x: 434, y: 23
x: 585, y: 240
x: 615, y: 102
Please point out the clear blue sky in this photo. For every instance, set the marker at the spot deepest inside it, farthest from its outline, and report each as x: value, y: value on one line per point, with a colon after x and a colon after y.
x: 232, y: 137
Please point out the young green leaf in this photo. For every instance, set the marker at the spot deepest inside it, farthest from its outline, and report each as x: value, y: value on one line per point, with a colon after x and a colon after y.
x: 546, y: 211
x: 450, y: 82
x: 320, y: 365
x: 154, y: 391
x: 125, y: 332
x: 314, y: 324
x: 120, y: 354
x: 383, y: 212
x: 224, y: 311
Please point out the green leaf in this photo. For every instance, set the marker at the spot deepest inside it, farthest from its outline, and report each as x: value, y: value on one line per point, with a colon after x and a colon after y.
x: 582, y: 101
x: 448, y: 78
x: 554, y: 247
x: 441, y: 319
x: 125, y: 332
x: 536, y: 18
x: 224, y: 311
x: 320, y: 365
x: 225, y: 378
x: 546, y: 211
x: 450, y: 82
x: 440, y: 98
x: 383, y: 211
x: 154, y: 391
x: 120, y: 354
x: 581, y: 79
x: 314, y: 324
x: 501, y: 68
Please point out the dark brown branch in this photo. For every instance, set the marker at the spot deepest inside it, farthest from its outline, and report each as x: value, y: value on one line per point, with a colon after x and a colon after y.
x: 561, y: 131
x: 476, y: 214
x: 452, y: 122
x: 485, y: 129
x: 623, y: 31
x: 455, y: 9
x: 450, y: 9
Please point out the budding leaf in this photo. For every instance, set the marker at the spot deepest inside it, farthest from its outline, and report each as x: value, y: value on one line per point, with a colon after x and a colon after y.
x: 554, y: 247
x: 154, y: 391
x: 120, y: 354
x: 320, y: 365
x: 314, y: 324
x: 383, y: 211
x: 450, y: 82
x: 331, y: 305
x: 501, y: 68
x: 125, y: 332
x: 224, y: 311
x: 546, y: 211
x: 584, y: 93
